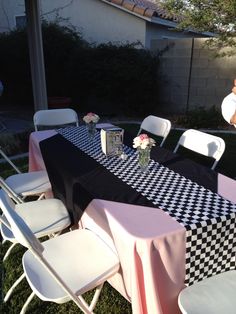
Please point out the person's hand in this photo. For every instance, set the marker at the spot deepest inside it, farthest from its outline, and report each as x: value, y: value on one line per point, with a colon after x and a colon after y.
x: 233, y: 119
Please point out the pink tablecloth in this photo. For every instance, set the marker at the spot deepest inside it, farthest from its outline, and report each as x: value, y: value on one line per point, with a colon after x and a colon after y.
x: 150, y: 244
x: 151, y: 249
x: 35, y: 157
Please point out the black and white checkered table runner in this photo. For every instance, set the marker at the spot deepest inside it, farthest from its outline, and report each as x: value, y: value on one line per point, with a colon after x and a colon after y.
x: 209, y: 219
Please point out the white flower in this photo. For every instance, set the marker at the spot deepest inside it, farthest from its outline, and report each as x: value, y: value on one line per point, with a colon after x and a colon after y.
x: 143, y: 141
x: 91, y: 117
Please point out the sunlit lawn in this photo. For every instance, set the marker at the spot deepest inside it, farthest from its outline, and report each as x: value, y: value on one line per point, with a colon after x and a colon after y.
x: 110, y: 301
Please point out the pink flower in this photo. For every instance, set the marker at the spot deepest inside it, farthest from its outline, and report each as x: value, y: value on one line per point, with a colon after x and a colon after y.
x: 143, y: 141
x: 91, y: 117
x: 143, y: 137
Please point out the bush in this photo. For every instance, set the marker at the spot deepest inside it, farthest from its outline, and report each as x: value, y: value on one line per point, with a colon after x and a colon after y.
x: 115, y: 78
x: 14, y: 144
x: 59, y: 44
x: 106, y: 78
x: 202, y: 118
x: 15, y: 68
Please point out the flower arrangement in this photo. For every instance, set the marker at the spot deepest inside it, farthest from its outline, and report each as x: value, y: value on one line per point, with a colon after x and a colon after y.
x: 91, y: 117
x: 143, y: 141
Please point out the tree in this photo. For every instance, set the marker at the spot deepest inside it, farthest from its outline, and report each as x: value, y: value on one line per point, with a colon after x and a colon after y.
x: 215, y: 16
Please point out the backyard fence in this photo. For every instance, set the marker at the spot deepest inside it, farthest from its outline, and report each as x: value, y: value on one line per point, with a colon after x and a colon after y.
x: 190, y: 77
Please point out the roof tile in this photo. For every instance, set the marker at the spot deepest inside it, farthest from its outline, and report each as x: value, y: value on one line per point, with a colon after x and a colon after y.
x: 118, y: 2
x: 139, y: 9
x: 148, y: 8
x: 129, y: 5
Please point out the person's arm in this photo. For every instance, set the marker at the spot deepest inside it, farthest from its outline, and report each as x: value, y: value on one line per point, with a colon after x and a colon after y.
x: 233, y: 118
x: 234, y: 89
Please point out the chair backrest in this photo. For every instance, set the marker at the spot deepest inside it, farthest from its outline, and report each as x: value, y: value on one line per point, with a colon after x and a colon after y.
x: 157, y: 126
x: 25, y: 237
x: 202, y: 143
x: 54, y: 117
x: 10, y: 192
x: 9, y: 161
x: 21, y: 231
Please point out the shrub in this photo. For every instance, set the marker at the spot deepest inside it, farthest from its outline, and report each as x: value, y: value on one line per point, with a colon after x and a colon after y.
x: 13, y: 144
x: 106, y: 78
x: 115, y: 78
x: 15, y: 67
x: 202, y: 118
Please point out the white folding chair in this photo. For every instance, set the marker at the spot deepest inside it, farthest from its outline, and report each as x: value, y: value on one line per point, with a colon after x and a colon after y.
x: 45, y: 218
x: 55, y: 117
x: 65, y: 267
x: 157, y: 126
x: 28, y: 183
x: 202, y: 143
x: 214, y: 295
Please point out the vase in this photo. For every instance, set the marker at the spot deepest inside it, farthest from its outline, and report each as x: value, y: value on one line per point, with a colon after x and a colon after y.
x: 91, y: 128
x: 144, y: 158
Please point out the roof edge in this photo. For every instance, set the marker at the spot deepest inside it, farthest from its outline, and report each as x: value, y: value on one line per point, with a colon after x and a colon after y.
x: 131, y: 7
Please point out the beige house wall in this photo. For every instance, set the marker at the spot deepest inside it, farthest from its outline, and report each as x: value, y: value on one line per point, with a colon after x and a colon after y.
x: 98, y: 21
x: 190, y: 77
x: 8, y: 10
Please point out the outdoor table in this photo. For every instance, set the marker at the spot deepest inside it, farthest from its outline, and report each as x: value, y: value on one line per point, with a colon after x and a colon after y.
x: 170, y: 226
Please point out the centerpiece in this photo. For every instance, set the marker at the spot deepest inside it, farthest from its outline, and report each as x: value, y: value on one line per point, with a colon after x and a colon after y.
x: 143, y: 143
x: 91, y: 119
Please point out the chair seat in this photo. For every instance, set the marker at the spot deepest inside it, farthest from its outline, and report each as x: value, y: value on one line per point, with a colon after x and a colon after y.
x: 29, y: 183
x: 214, y: 295
x: 79, y: 273
x: 42, y: 217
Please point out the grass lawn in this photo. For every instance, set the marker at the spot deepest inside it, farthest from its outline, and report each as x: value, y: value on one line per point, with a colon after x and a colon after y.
x: 110, y: 300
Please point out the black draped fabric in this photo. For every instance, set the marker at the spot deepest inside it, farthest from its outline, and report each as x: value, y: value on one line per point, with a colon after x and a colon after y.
x: 202, y: 175
x: 77, y: 178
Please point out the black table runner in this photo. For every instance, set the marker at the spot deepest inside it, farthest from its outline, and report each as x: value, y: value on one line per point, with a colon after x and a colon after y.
x: 77, y: 179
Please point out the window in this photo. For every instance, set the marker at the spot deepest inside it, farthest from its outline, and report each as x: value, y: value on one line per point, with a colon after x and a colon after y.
x: 20, y: 21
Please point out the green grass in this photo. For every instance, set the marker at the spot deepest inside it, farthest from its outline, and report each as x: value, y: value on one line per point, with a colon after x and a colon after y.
x: 110, y: 300
x: 6, y: 169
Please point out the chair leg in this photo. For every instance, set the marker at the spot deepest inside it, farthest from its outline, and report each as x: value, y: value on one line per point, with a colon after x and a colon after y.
x: 24, y: 308
x: 95, y: 297
x: 9, y: 251
x: 9, y: 292
x: 42, y: 196
x: 53, y: 235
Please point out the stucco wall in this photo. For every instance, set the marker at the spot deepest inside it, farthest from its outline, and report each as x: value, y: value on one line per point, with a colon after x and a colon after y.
x: 189, y: 77
x: 157, y: 31
x: 8, y: 10
x: 98, y: 21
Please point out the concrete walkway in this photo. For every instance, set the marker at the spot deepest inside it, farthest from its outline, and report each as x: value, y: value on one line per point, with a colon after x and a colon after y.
x: 13, y: 125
